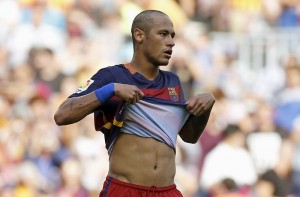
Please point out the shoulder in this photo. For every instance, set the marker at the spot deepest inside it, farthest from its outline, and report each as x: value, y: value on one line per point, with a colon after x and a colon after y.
x: 105, y: 75
x: 110, y: 71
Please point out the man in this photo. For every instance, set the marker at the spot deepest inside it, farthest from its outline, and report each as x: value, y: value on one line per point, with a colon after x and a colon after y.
x: 229, y: 159
x: 140, y: 109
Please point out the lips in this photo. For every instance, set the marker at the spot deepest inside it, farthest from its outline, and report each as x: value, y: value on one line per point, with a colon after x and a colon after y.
x: 168, y: 53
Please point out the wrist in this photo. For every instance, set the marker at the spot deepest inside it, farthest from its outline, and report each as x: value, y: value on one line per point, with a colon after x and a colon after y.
x: 104, y: 93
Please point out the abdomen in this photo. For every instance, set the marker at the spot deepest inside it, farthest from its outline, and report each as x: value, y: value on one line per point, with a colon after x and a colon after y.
x: 142, y: 161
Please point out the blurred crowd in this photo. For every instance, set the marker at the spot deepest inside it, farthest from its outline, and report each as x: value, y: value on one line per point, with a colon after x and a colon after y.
x: 48, y: 48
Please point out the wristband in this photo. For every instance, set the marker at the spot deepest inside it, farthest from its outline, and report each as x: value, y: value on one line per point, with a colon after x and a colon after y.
x: 106, y: 92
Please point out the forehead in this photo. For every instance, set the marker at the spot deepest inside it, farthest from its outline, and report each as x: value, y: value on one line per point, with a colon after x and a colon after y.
x: 162, y: 22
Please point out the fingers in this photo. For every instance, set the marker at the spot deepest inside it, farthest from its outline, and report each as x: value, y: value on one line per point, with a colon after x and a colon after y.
x: 195, y: 106
x: 136, y: 98
x: 200, y: 103
x: 191, y: 103
x: 128, y: 93
x: 196, y: 110
x: 135, y: 95
x: 140, y: 93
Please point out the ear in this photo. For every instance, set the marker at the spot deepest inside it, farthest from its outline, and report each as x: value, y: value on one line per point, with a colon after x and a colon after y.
x: 138, y: 35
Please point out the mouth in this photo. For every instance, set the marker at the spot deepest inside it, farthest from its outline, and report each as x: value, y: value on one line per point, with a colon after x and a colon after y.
x: 168, y: 53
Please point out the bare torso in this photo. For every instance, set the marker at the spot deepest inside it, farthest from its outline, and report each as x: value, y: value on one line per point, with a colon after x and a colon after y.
x: 142, y: 161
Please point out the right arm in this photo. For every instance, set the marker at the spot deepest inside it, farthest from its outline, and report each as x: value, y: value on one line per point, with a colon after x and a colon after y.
x: 74, y: 109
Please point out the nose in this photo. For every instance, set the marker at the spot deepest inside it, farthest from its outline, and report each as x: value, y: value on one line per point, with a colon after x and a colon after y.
x: 171, y: 42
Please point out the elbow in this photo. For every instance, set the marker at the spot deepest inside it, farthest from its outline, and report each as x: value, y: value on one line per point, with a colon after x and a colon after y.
x: 190, y: 141
x: 59, y: 119
x: 193, y: 141
x: 191, y: 136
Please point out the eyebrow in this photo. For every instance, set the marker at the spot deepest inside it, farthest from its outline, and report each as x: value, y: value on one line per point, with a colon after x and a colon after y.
x: 167, y: 31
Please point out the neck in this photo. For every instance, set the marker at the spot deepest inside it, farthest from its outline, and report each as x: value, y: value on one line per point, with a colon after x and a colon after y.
x: 145, y: 68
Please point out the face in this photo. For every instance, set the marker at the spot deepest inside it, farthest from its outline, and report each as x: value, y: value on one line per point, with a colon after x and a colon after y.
x: 159, y: 41
x: 293, y: 77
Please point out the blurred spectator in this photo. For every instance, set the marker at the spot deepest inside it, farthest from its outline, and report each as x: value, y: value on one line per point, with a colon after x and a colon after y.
x: 10, y: 17
x: 228, y: 159
x: 71, y: 185
x: 228, y: 188
x: 95, y: 10
x: 289, y: 15
x: 50, y: 15
x: 48, y: 71
x: 36, y: 33
x: 270, y: 184
x: 288, y: 100
x: 28, y: 180
x: 265, y: 144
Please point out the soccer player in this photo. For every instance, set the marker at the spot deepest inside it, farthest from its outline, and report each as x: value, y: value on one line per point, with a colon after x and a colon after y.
x: 140, y: 109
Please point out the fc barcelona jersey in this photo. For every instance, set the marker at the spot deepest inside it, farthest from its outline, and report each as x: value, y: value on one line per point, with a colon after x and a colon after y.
x: 160, y: 114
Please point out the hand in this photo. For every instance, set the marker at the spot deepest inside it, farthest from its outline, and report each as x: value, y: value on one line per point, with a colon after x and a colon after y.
x: 200, y: 103
x: 129, y: 93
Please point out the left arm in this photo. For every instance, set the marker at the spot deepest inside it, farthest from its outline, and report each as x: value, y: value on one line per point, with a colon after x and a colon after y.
x: 200, y: 107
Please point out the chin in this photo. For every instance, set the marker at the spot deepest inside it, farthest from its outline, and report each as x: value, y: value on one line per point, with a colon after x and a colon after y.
x: 164, y: 63
x: 160, y: 61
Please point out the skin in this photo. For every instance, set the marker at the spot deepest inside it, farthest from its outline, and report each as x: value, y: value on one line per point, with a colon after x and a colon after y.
x: 134, y: 159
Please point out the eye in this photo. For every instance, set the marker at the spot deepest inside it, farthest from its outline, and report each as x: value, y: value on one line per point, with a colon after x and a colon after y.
x: 163, y: 34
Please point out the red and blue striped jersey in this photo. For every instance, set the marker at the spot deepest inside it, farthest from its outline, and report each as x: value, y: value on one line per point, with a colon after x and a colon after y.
x: 108, y: 118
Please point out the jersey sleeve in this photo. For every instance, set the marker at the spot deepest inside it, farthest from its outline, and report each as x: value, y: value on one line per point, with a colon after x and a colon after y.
x: 101, y: 78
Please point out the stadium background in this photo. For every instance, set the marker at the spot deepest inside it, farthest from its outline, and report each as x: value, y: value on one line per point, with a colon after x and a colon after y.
x: 246, y: 52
